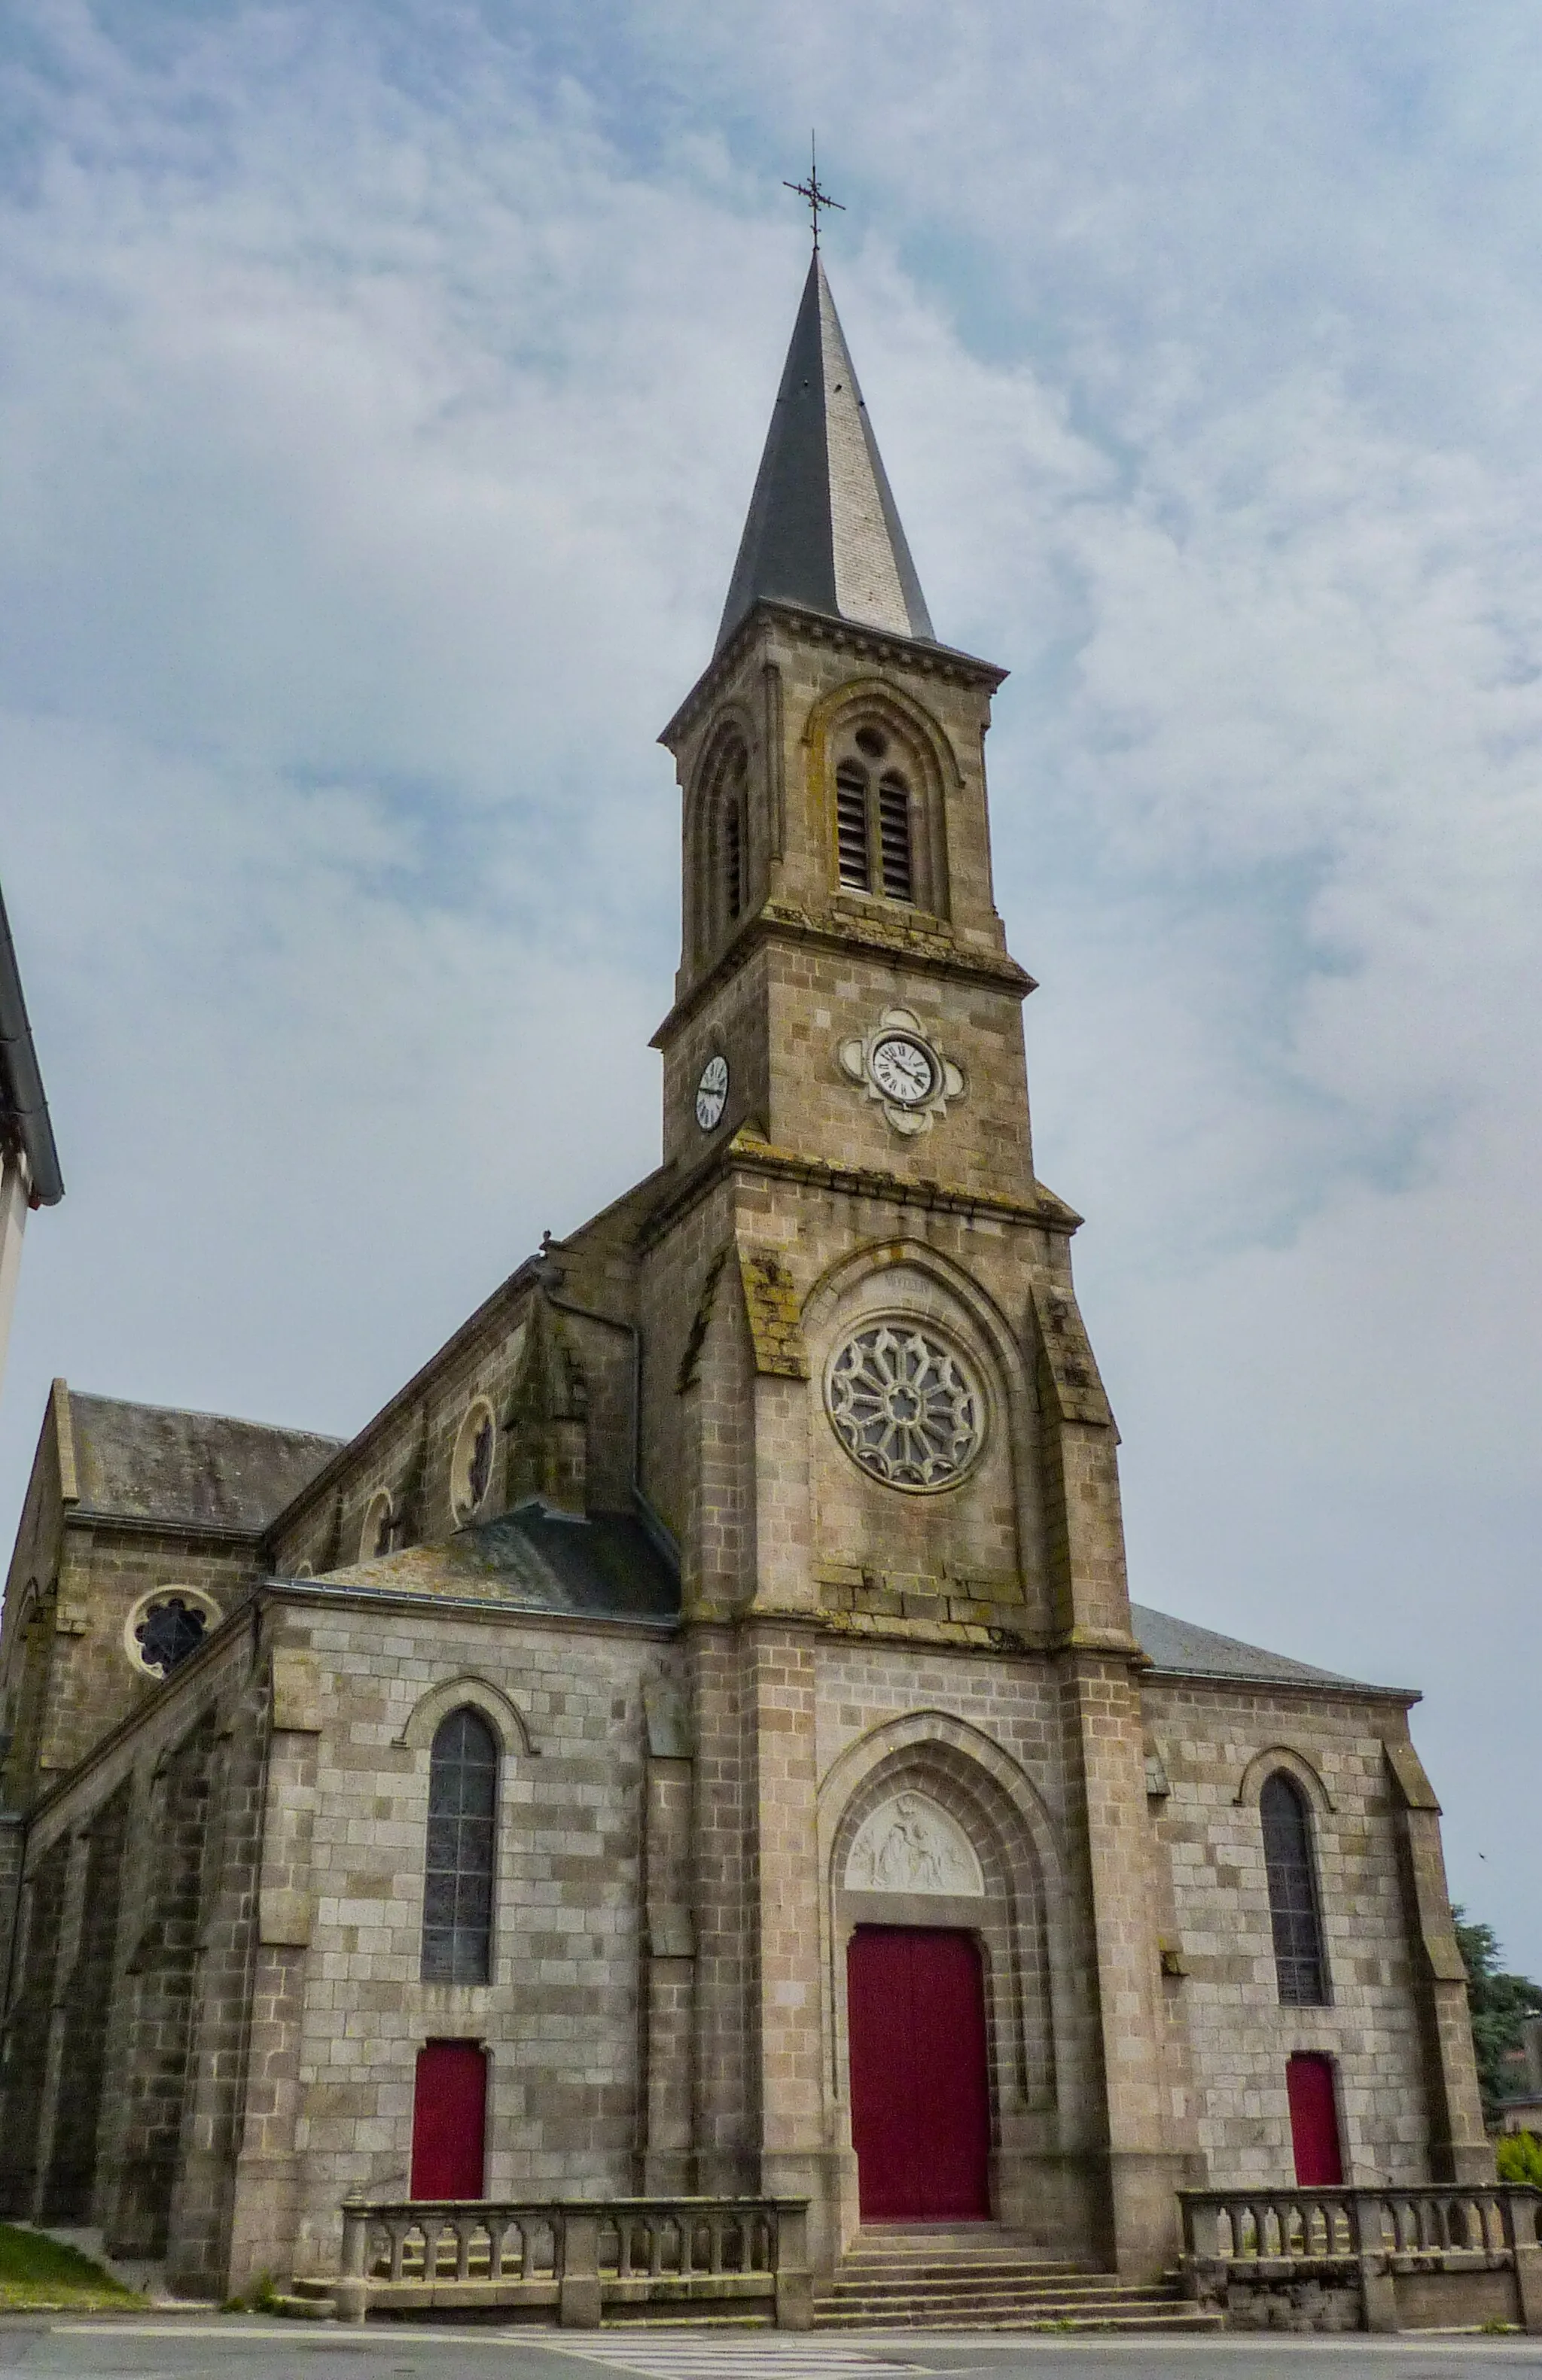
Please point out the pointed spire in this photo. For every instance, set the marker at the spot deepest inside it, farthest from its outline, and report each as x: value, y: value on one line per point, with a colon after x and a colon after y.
x: 823, y: 530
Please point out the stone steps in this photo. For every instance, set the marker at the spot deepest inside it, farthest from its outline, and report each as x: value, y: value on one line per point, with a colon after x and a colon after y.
x: 985, y: 2278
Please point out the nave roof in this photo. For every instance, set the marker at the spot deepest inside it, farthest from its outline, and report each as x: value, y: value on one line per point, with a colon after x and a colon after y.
x: 196, y: 1470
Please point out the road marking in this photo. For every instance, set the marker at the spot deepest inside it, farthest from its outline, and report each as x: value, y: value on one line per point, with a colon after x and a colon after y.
x: 680, y: 2357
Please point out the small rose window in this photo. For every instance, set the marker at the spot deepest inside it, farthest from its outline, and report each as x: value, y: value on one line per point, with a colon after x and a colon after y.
x: 905, y: 1407
x: 471, y: 1463
x: 164, y: 1628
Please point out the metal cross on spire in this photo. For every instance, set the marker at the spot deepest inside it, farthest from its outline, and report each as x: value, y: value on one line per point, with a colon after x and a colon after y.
x: 812, y: 190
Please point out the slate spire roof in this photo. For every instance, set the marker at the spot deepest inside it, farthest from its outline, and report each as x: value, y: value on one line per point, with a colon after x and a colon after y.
x: 823, y: 530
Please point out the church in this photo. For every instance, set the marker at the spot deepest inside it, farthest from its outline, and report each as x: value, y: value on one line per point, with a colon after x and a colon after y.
x: 696, y: 1738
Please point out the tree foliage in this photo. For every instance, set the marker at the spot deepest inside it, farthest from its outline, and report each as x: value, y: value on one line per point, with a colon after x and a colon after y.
x: 1500, y: 2004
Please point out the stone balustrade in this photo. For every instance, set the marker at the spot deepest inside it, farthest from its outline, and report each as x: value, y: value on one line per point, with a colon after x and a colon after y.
x: 576, y: 2258
x: 1426, y: 2257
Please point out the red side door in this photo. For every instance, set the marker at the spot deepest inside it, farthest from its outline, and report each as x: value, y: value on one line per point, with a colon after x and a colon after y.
x: 449, y: 2120
x: 1314, y: 2123
x: 920, y: 2093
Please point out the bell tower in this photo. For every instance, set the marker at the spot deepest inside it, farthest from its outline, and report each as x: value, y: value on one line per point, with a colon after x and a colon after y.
x: 869, y: 1414
x: 836, y: 846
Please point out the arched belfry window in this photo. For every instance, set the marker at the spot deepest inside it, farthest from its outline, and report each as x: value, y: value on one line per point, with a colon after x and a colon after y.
x: 875, y: 842
x: 458, y: 1870
x: 728, y: 855
x: 1294, y: 1915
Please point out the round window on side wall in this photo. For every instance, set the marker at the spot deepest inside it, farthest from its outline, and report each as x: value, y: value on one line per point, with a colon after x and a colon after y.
x: 472, y: 1463
x: 166, y: 1626
x: 376, y: 1536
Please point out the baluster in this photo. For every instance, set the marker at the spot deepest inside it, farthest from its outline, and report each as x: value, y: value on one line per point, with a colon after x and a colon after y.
x: 656, y: 2246
x: 350, y: 2297
x: 464, y: 2233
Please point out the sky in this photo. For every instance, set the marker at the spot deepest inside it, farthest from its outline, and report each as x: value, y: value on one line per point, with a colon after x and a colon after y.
x: 381, y: 391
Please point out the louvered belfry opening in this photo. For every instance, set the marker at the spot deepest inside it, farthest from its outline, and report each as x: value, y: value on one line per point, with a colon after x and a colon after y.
x: 725, y: 817
x: 851, y: 825
x: 894, y: 836
x: 1296, y: 1923
x: 872, y: 821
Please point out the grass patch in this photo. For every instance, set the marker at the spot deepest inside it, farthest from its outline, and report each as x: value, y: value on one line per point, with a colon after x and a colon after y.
x: 39, y: 2275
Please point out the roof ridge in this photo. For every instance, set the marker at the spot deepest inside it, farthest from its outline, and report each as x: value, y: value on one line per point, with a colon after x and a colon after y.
x: 199, y: 1413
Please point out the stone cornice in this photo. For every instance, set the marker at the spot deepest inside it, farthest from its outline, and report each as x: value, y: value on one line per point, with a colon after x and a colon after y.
x: 875, y: 645
x: 929, y: 954
x: 1057, y: 1647
x: 155, y: 1525
x: 746, y: 1154
x: 317, y: 1593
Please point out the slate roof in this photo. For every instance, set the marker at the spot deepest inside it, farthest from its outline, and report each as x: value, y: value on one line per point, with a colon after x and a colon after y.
x: 156, y: 1463
x: 535, y: 1559
x: 823, y: 530
x: 1179, y: 1648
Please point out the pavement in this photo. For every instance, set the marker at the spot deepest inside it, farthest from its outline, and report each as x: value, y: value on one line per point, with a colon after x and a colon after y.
x: 241, y: 2347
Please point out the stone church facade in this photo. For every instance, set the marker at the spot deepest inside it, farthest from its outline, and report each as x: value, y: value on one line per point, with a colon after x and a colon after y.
x: 697, y: 1736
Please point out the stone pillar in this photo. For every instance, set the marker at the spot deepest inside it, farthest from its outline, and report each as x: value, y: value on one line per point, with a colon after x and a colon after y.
x: 71, y: 1852
x: 784, y: 1882
x: 13, y: 1842
x: 163, y: 1965
x: 30, y: 2022
x: 1105, y: 1760
x: 1103, y: 1741
x: 724, y: 2088
x: 1459, y: 2147
x: 264, y: 2216
x: 202, y: 2209
x: 68, y: 2191
x: 669, y: 1950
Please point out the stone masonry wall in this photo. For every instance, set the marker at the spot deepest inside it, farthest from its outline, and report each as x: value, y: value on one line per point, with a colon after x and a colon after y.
x: 1211, y: 1738
x: 562, y: 2018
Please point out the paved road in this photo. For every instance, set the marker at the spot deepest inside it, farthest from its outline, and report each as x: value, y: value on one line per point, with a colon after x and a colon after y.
x: 238, y: 2348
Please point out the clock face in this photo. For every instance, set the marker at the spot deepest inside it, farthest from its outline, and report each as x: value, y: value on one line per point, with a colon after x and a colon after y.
x: 712, y: 1093
x: 903, y: 1070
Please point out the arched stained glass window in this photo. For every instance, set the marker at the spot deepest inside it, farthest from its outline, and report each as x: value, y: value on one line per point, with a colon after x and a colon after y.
x: 458, y: 1878
x: 1293, y: 1911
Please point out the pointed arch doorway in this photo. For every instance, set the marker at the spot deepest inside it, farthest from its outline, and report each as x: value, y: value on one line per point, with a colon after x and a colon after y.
x: 920, y: 2089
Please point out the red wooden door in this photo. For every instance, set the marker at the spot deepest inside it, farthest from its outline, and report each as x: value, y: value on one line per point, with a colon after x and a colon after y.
x: 920, y: 2096
x: 1314, y: 2123
x: 449, y: 2120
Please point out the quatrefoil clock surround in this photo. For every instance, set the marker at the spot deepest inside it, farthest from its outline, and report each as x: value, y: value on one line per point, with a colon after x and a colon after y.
x: 896, y: 1064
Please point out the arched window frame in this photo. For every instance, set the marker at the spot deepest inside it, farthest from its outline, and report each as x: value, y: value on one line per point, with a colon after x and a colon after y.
x: 720, y: 857
x: 1285, y: 1819
x: 885, y: 797
x: 461, y: 1848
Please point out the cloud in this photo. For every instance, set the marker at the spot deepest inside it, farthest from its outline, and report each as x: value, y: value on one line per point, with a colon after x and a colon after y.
x: 380, y: 393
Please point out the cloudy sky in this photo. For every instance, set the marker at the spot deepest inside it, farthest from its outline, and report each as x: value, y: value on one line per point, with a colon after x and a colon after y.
x: 380, y: 387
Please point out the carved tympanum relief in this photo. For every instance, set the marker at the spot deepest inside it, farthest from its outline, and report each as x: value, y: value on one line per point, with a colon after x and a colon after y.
x: 911, y: 1845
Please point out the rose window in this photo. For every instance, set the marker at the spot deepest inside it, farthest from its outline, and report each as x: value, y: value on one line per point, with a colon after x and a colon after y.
x: 904, y: 1407
x: 165, y: 1628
